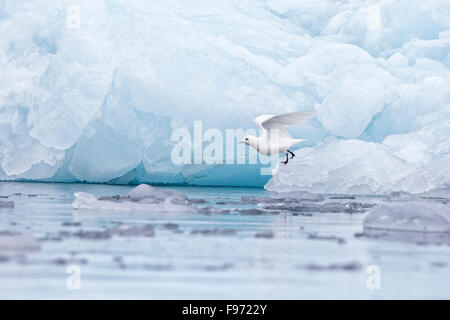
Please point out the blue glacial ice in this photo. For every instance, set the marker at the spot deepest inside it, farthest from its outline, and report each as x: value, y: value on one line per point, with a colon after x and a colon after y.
x: 98, y: 102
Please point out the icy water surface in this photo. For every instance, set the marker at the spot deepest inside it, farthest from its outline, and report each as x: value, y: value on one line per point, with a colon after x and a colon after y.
x: 242, y: 247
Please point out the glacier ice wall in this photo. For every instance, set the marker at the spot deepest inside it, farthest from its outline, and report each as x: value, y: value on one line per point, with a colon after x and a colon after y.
x: 98, y: 102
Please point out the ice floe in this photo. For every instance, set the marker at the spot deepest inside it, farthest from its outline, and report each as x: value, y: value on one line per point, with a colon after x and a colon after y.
x: 305, y: 202
x: 18, y: 242
x: 420, y: 216
x: 6, y: 204
x: 141, y: 198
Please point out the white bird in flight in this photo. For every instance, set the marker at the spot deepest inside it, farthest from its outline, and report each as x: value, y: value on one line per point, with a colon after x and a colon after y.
x: 274, y: 138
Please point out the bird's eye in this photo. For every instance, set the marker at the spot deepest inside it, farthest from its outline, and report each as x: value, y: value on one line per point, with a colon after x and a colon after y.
x: 246, y: 139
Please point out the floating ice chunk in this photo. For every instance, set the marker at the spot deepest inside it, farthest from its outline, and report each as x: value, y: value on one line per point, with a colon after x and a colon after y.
x: 216, y: 231
x: 6, y: 204
x: 18, y: 242
x: 350, y: 266
x: 328, y: 207
x: 141, y: 198
x: 410, y: 216
x: 149, y: 194
x: 124, y: 230
x: 284, y: 198
x: 304, y: 202
x: 315, y: 236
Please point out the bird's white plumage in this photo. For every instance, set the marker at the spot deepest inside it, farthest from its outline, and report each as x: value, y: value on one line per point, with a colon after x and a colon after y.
x: 268, y: 121
x: 274, y: 136
x: 259, y: 120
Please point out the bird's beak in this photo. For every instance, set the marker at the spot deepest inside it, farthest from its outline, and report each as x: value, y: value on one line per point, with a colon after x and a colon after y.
x: 240, y: 142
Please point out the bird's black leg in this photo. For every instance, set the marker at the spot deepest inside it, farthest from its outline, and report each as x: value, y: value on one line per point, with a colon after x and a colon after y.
x: 292, y: 154
x: 287, y: 159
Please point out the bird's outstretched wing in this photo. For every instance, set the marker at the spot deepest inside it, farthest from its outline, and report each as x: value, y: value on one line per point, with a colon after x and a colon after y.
x: 269, y: 122
x: 260, y: 119
x: 282, y: 120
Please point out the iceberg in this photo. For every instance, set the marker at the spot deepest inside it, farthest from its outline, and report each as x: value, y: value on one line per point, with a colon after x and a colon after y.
x: 416, y: 162
x: 93, y: 91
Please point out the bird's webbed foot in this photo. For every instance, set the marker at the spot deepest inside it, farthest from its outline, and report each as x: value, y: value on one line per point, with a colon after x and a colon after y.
x: 292, y: 154
x: 287, y: 160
